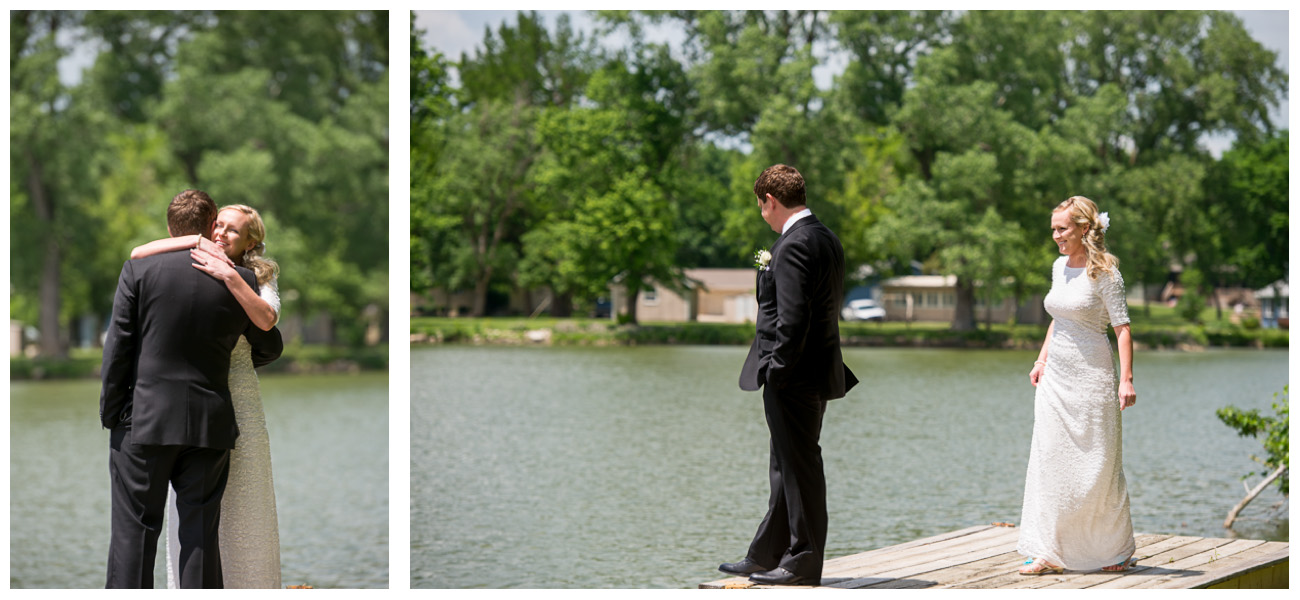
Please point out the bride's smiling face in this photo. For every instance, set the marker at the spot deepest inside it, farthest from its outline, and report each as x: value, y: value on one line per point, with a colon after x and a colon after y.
x: 1067, y: 234
x: 230, y: 232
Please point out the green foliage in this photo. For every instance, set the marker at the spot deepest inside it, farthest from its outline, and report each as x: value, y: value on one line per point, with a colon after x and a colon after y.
x: 284, y: 111
x: 1247, y: 194
x: 946, y: 142
x: 1274, y: 429
x: 1192, y: 301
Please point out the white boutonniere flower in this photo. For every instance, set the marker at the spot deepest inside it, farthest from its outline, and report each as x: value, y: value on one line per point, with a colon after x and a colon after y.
x: 761, y: 258
x: 1103, y: 220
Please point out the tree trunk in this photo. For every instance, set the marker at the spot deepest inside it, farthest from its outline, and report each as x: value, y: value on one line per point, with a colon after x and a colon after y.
x: 1232, y: 514
x: 51, y: 302
x: 633, y: 290
x: 963, y: 316
x: 480, y: 293
x: 562, y: 304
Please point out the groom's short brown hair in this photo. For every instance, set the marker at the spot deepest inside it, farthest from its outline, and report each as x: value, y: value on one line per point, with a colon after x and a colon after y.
x: 191, y: 212
x: 784, y: 183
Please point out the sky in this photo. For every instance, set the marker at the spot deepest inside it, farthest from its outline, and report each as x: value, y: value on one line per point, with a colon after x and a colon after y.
x: 454, y: 32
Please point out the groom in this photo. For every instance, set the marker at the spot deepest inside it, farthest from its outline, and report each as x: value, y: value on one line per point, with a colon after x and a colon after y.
x: 796, y: 359
x: 165, y: 398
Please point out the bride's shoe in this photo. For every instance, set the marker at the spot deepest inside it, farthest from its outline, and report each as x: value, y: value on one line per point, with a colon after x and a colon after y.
x: 1121, y: 566
x: 1040, y: 567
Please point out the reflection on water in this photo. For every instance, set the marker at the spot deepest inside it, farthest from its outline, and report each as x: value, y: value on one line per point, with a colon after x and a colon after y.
x: 329, y: 445
x: 647, y: 466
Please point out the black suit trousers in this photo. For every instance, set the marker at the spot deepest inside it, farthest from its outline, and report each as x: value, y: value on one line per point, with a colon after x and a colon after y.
x: 793, y: 534
x: 139, y: 476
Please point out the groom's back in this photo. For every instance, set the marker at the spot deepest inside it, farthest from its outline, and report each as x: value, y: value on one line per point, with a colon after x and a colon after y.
x: 187, y: 323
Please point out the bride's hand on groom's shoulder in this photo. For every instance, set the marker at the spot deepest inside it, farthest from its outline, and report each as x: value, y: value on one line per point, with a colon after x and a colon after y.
x: 216, y: 265
x: 211, y: 247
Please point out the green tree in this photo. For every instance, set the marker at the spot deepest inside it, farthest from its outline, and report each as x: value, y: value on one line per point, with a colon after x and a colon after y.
x: 1246, y: 200
x: 286, y: 112
x: 1185, y: 74
x: 619, y: 160
x: 485, y: 185
x: 49, y: 209
x: 431, y: 104
x: 1276, y: 433
x: 472, y: 171
x: 884, y: 46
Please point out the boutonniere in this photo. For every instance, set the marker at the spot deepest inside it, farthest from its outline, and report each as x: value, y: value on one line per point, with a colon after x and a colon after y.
x: 761, y: 258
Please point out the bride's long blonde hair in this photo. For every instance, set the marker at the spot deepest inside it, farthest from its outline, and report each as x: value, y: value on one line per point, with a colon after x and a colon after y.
x: 1083, y: 211
x: 253, y: 258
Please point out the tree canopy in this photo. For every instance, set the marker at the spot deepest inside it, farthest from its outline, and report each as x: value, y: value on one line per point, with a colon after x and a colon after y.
x: 945, y: 141
x: 283, y: 111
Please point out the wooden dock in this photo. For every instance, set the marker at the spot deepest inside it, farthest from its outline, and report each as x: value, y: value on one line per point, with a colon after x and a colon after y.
x: 985, y: 557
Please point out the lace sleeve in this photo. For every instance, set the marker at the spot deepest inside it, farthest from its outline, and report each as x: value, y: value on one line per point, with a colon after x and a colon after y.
x: 1111, y: 287
x: 271, y: 293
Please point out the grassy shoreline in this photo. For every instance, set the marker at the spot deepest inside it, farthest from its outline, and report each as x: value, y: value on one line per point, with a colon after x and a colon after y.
x: 83, y: 363
x: 518, y: 331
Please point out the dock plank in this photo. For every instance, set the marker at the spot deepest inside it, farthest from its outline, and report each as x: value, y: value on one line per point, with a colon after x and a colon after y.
x: 1005, y: 574
x: 985, y: 557
x: 1177, y: 562
x: 1263, y: 555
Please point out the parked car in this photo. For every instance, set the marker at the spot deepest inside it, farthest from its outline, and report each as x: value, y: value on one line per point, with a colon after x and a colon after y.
x: 863, y: 310
x: 603, y: 308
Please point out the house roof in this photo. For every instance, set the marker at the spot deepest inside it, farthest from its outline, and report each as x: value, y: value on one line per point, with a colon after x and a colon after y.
x: 921, y: 281
x: 724, y: 280
x: 1268, y: 291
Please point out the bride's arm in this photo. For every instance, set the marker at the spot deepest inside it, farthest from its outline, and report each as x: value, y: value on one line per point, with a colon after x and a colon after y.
x: 260, y: 312
x: 1124, y: 339
x: 172, y: 244
x: 1039, y: 365
x: 166, y: 245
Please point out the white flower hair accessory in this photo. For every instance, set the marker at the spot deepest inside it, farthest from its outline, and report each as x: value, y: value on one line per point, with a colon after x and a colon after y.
x: 1103, y: 219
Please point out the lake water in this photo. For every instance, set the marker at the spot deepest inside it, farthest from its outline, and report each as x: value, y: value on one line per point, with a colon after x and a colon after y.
x: 646, y: 467
x: 329, y: 453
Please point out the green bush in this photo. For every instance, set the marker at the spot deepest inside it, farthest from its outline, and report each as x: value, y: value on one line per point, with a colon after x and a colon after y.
x: 1276, y: 432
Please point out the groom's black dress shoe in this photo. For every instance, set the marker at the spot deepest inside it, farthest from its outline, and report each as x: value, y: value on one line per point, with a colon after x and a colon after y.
x: 742, y: 568
x: 780, y: 576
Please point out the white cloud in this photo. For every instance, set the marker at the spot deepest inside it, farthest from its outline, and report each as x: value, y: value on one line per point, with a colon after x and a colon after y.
x: 447, y: 32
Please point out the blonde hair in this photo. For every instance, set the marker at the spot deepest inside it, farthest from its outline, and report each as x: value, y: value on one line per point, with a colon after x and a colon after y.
x: 253, y: 258
x: 1084, y: 212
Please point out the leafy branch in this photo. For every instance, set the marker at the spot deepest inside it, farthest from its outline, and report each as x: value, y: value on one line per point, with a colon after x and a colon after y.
x: 1275, y: 430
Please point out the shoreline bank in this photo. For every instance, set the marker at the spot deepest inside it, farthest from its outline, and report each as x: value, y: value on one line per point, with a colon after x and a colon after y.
x: 297, y: 359
x: 592, y: 332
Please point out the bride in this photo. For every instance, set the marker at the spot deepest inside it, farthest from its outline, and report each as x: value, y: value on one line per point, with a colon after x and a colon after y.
x: 250, y: 538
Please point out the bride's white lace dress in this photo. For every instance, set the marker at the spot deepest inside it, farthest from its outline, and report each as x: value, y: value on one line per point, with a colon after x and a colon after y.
x: 250, y: 535
x: 1076, y: 505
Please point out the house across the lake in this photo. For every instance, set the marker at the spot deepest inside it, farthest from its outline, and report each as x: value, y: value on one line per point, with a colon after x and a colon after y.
x: 727, y: 296
x: 712, y: 296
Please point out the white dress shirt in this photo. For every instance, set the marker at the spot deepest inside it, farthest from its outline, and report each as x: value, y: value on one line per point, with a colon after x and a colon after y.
x: 807, y: 212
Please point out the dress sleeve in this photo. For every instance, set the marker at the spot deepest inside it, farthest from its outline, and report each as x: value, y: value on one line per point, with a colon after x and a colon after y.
x: 271, y: 293
x: 1111, y: 287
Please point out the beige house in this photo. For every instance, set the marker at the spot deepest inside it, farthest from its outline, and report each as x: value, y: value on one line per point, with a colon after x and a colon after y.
x: 934, y: 298
x: 713, y: 296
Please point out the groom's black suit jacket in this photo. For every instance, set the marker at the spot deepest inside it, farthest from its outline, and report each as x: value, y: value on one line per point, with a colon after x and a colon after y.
x: 167, y: 353
x: 797, y: 348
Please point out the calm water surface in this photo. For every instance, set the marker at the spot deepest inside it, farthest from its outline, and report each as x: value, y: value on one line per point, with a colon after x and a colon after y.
x: 329, y: 454
x: 646, y: 467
